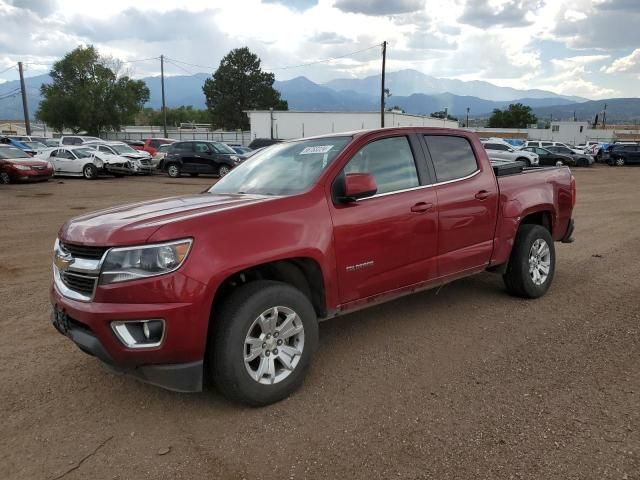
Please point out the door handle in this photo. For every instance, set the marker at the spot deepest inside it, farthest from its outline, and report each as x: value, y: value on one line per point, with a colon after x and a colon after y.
x: 421, y: 207
x: 482, y: 195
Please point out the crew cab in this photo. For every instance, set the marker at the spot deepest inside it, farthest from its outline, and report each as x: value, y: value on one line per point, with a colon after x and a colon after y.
x: 151, y: 144
x: 229, y: 284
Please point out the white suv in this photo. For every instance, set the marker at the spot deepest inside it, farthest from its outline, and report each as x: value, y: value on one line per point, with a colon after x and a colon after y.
x: 77, y: 140
x: 503, y: 151
x: 546, y: 143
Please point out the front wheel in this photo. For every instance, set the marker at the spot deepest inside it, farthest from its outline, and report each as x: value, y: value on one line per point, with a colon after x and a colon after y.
x: 526, y: 161
x: 223, y: 170
x: 619, y: 162
x: 532, y: 263
x: 5, y: 178
x: 173, y: 170
x: 90, y: 172
x: 264, y: 337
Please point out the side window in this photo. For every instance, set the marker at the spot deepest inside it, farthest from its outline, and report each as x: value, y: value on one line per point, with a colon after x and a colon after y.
x: 201, y: 148
x: 546, y: 144
x: 496, y: 146
x: 540, y: 151
x: 390, y: 161
x: 154, y: 143
x: 67, y: 141
x: 54, y: 153
x: 453, y: 157
x: 102, y: 148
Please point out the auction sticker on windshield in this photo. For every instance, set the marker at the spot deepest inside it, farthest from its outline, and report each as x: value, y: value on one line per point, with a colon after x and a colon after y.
x: 316, y: 149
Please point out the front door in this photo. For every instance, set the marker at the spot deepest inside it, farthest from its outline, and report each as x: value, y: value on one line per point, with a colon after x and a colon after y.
x: 467, y: 205
x: 389, y: 240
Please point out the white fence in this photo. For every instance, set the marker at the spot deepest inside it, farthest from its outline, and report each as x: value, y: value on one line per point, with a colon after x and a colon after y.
x: 138, y: 133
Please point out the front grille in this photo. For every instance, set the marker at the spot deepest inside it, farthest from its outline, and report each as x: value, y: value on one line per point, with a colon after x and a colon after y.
x: 79, y: 282
x: 83, y: 251
x: 38, y: 168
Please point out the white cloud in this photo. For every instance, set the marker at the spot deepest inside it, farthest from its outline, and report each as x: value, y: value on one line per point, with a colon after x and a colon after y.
x: 628, y: 64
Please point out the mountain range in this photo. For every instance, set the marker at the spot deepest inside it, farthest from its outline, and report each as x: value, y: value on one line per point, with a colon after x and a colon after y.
x: 412, y: 91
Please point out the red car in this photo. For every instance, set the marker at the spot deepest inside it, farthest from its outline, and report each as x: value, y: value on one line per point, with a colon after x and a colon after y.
x: 151, y: 144
x: 18, y: 166
x: 231, y: 283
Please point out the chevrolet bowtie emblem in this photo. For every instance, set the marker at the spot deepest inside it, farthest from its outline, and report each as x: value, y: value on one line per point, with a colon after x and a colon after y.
x: 62, y: 260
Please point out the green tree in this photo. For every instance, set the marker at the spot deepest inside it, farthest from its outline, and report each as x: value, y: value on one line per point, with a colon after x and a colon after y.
x: 516, y: 115
x: 239, y: 84
x: 441, y: 114
x: 175, y: 116
x: 88, y: 95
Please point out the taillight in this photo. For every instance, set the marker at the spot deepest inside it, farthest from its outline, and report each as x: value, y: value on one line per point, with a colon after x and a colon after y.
x: 573, y: 191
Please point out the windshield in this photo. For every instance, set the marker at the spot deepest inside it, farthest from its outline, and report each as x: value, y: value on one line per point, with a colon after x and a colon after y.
x: 12, y: 152
x: 282, y: 169
x: 223, y: 147
x: 122, y: 149
x: 35, y: 145
x: 84, y: 152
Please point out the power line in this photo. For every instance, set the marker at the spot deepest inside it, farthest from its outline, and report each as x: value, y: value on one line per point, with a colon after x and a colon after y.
x: 9, y: 68
x: 168, y: 60
x: 141, y: 60
x: 191, y: 64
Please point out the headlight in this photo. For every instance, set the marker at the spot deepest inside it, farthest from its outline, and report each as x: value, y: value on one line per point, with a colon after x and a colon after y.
x: 235, y: 159
x: 22, y: 167
x: 132, y: 263
x: 97, y: 162
x: 50, y: 165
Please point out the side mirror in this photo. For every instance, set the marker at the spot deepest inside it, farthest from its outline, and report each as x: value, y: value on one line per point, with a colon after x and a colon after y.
x: 358, y: 185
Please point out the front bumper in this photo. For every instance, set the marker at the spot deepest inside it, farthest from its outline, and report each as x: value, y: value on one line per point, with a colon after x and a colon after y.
x: 176, y: 364
x: 31, y: 175
x: 183, y: 377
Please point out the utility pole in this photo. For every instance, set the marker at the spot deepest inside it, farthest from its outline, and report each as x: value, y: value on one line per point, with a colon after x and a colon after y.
x: 604, y: 117
x: 25, y: 107
x: 164, y: 107
x: 467, y: 124
x: 382, y: 93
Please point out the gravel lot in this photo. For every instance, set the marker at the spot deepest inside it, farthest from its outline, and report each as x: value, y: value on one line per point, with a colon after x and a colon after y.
x: 464, y: 382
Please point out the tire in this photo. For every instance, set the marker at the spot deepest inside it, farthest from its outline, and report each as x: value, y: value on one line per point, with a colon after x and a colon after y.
x: 619, y: 162
x: 90, y: 171
x: 223, y: 170
x: 5, y: 178
x: 526, y: 161
x: 238, y: 318
x: 173, y: 170
x: 583, y: 162
x: 519, y: 277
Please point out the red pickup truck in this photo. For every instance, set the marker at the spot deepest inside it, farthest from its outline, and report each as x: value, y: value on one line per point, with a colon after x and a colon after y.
x: 229, y: 285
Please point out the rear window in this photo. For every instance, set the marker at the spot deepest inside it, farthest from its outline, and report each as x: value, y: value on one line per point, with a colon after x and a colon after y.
x: 452, y: 157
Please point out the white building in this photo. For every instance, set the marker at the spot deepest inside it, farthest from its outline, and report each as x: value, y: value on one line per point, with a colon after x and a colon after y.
x: 287, y: 125
x: 566, y: 132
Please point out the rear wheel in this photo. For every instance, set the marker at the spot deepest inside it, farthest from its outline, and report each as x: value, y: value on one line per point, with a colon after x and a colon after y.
x: 619, y: 162
x: 90, y: 172
x: 5, y: 178
x: 532, y: 263
x: 173, y: 170
x: 524, y: 160
x: 264, y: 338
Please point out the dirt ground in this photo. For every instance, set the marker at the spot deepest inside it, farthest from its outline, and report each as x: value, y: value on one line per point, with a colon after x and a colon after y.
x: 460, y: 383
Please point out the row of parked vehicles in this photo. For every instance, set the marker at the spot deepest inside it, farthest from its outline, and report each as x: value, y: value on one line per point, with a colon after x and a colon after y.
x: 546, y: 153
x: 35, y: 158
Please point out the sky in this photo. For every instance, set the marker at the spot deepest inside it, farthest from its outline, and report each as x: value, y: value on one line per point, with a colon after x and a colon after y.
x: 588, y: 48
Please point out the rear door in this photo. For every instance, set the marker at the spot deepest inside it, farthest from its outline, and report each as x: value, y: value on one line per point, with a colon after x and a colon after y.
x: 389, y: 240
x: 467, y: 195
x: 185, y: 151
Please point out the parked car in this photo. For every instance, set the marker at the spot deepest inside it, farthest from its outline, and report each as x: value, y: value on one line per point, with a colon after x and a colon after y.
x: 140, y: 160
x: 506, y: 152
x: 82, y: 161
x: 76, y: 140
x: 263, y: 142
x: 151, y: 144
x: 238, y: 277
x: 623, y: 154
x: 239, y: 149
x: 197, y: 156
x: 547, y: 144
x: 29, y: 138
x: 578, y: 159
x: 158, y: 158
x: 18, y: 166
x: 26, y: 146
x: 135, y: 144
x: 549, y: 158
x: 52, y: 142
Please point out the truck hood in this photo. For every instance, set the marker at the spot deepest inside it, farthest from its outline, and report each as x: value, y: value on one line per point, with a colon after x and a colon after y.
x: 135, y: 223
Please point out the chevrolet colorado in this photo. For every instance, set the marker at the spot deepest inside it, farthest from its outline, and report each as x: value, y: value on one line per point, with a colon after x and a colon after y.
x: 229, y: 285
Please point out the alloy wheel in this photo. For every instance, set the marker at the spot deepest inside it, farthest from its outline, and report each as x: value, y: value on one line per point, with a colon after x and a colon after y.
x: 539, y: 261
x: 273, y: 345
